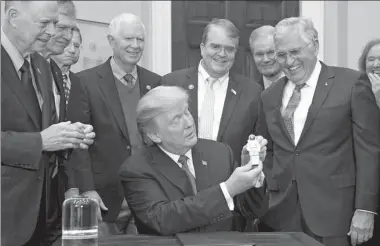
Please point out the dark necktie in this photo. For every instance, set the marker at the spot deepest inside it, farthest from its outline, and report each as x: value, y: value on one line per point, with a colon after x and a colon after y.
x: 27, y: 82
x: 129, y: 79
x: 288, y: 114
x: 183, y: 161
x: 66, y: 88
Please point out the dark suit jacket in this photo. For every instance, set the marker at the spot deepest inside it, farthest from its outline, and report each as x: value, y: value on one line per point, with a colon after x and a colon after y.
x: 22, y: 159
x: 95, y: 100
x: 160, y: 196
x: 336, y: 161
x: 242, y: 111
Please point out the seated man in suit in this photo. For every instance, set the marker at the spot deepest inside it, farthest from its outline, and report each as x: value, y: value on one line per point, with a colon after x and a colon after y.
x: 261, y: 43
x: 179, y: 183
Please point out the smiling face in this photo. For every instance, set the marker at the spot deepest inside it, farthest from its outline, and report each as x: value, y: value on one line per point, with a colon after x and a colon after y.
x: 175, y: 129
x: 373, y: 60
x: 63, y: 33
x: 128, y: 43
x: 300, y: 56
x: 218, y: 52
x: 34, y: 22
x: 264, y: 56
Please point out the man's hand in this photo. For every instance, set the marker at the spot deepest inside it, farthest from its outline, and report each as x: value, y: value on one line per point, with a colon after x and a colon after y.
x: 263, y: 151
x: 242, y: 179
x: 361, y: 227
x: 71, y: 192
x: 65, y: 135
x: 375, y: 81
x: 94, y: 195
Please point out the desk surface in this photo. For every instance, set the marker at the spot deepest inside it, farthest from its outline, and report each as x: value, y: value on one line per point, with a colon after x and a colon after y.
x: 214, y: 239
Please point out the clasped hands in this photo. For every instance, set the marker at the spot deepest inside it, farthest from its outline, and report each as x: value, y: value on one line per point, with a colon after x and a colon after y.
x: 67, y: 135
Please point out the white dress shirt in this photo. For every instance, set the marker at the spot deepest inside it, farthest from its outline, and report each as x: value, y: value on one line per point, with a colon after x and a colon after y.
x: 175, y: 157
x: 307, y: 94
x: 220, y: 90
x: 18, y: 61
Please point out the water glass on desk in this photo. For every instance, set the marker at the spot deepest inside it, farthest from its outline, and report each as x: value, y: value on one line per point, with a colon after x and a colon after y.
x: 79, y: 221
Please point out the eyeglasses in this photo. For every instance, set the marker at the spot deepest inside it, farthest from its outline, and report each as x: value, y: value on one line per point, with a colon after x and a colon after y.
x: 282, y: 56
x: 218, y: 48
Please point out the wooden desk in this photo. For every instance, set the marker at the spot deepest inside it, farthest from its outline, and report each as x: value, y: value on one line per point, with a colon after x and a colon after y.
x: 214, y: 239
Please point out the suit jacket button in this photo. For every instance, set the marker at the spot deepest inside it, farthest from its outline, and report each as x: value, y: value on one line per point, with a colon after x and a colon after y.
x: 128, y: 147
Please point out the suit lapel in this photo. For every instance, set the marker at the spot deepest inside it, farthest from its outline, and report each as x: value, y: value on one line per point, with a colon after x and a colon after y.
x: 170, y: 170
x: 143, y: 81
x: 201, y: 170
x: 324, y: 85
x: 43, y: 78
x: 232, y: 97
x: 277, y: 94
x: 10, y: 77
x: 191, y: 85
x: 107, y: 85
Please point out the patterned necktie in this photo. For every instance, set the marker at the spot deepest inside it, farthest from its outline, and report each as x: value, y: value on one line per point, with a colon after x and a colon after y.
x: 288, y: 114
x: 206, y: 119
x: 27, y: 82
x: 183, y: 161
x: 66, y: 88
x: 129, y: 79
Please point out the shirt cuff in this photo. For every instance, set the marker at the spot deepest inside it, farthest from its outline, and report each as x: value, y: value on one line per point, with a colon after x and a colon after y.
x: 227, y: 196
x: 367, y: 211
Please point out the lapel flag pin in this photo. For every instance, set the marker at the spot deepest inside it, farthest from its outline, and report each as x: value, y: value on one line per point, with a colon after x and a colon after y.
x: 204, y: 163
x: 148, y: 87
x: 233, y: 91
x: 191, y: 87
x: 326, y: 84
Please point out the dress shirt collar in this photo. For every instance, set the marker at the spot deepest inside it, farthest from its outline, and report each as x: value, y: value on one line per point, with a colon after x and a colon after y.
x: 205, y: 75
x: 175, y: 157
x: 313, y: 79
x: 119, y: 72
x: 13, y: 52
x: 268, y: 81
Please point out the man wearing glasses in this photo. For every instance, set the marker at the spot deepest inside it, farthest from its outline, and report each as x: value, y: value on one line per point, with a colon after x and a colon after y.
x: 226, y: 107
x: 324, y: 124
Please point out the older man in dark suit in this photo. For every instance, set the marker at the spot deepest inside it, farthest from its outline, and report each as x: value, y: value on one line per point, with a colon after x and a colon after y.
x: 325, y: 127
x: 29, y: 137
x: 67, y: 59
x: 180, y: 183
x: 106, y: 97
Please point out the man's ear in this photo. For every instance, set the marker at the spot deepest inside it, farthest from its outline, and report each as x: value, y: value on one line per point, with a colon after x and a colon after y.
x: 12, y: 15
x: 110, y: 39
x: 154, y: 137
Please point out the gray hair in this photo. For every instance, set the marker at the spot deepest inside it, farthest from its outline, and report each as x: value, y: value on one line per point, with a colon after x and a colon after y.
x: 114, y: 27
x: 231, y: 29
x: 66, y: 7
x: 305, y: 25
x: 157, y: 101
x: 263, y: 31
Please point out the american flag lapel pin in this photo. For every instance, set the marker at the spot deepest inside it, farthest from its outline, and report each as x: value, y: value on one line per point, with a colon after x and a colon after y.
x: 204, y: 163
x: 233, y: 91
x: 148, y: 87
x: 191, y: 86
